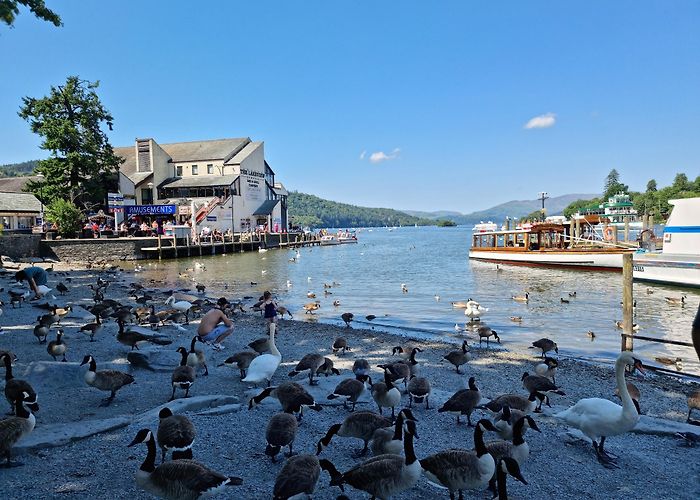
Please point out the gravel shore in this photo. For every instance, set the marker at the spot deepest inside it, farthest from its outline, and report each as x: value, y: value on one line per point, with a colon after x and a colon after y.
x: 101, y: 466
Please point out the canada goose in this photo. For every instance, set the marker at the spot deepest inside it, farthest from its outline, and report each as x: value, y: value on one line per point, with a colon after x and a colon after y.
x: 92, y: 329
x: 242, y: 360
x: 504, y: 467
x: 388, y: 439
x: 418, y: 390
x: 310, y: 307
x: 385, y: 475
x: 370, y: 317
x: 351, y: 389
x: 690, y: 439
x: 178, y: 479
x: 14, y: 428
x: 61, y: 312
x: 281, y: 431
x: 564, y: 301
x: 399, y: 371
x: 62, y: 289
x: 297, y: 477
x: 505, y: 419
x: 14, y: 387
x: 676, y: 301
x: 599, y: 418
x: 591, y: 335
x: 291, y: 396
x: 261, y: 345
x: 517, y: 448
x: 281, y: 310
x: 340, y: 345
x: 516, y: 319
x: 264, y: 366
x: 485, y: 332
x: 57, y: 347
x: 310, y: 295
x: 360, y: 367
x: 153, y: 318
x: 546, y: 345
x: 196, y: 358
x: 521, y: 298
x: 620, y: 325
x: 49, y: 318
x: 515, y: 402
x: 347, y: 318
x: 176, y: 433
x: 542, y: 385
x: 105, y: 380
x: 385, y: 394
x: 572, y: 294
x: 41, y: 331
x: 403, y: 351
x: 463, y: 402
x: 548, y: 368
x: 183, y: 376
x: 693, y: 403
x: 132, y: 336
x: 360, y: 425
x: 310, y: 362
x: 459, y: 357
x: 201, y: 288
x: 634, y: 394
x: 336, y: 303
x: 459, y: 469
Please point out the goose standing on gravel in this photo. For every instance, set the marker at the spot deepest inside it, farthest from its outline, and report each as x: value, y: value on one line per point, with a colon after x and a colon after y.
x: 327, y: 368
x: 183, y: 376
x: 463, y: 402
x: 179, y: 479
x: 418, y: 390
x: 548, y: 368
x: 351, y: 389
x: 546, y: 345
x: 196, y: 358
x: 41, y: 331
x: 176, y: 433
x: 388, y: 440
x: 291, y: 396
x: 599, y: 418
x: 518, y: 447
x: 281, y: 431
x: 242, y: 361
x: 14, y: 428
x: 504, y: 421
x: 505, y: 467
x: 459, y: 469
x: 542, y: 385
x: 360, y: 367
x: 92, y: 329
x: 264, y: 366
x: 459, y: 357
x: 385, y: 394
x: 311, y: 362
x: 297, y: 477
x: 514, y: 402
x: 359, y: 425
x: 57, y: 347
x: 105, y: 380
x: 15, y: 388
x: 340, y: 345
x: 347, y: 318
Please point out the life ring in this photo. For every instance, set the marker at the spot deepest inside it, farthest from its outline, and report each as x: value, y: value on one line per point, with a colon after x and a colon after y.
x: 608, y: 233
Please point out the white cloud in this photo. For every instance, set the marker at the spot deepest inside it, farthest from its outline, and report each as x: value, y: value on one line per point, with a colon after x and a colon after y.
x: 380, y: 156
x: 363, y: 154
x: 542, y: 121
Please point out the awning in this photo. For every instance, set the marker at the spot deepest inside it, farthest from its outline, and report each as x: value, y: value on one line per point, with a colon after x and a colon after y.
x: 266, y: 208
x: 199, y: 181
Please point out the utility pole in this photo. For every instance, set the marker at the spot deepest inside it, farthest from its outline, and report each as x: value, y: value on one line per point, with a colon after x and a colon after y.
x: 543, y: 196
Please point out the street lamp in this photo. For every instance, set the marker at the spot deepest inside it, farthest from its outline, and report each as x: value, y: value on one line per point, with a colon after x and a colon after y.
x: 41, y: 199
x: 543, y: 196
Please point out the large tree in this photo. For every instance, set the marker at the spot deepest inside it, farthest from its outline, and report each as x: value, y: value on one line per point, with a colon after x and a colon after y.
x: 10, y: 8
x: 82, y: 162
x: 613, y: 185
x: 651, y: 186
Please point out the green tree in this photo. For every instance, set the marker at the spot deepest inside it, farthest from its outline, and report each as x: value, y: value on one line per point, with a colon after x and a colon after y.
x: 66, y: 215
x: 613, y: 185
x: 578, y: 205
x: 680, y: 183
x: 82, y: 161
x: 651, y: 186
x: 10, y: 8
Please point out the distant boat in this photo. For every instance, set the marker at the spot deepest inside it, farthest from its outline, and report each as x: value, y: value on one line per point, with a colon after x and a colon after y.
x: 329, y: 239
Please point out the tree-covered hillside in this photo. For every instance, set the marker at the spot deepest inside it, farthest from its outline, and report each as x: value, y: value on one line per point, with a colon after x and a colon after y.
x: 312, y: 211
x: 18, y: 169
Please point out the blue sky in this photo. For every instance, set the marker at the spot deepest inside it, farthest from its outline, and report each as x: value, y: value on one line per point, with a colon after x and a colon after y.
x: 409, y: 105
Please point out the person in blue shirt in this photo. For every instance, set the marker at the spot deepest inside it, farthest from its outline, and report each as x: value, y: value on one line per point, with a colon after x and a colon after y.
x: 35, y: 276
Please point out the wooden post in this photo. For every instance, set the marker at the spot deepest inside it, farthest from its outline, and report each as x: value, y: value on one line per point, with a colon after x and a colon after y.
x: 627, y: 302
x: 160, y: 250
x: 187, y: 240
x: 175, y: 244
x: 578, y: 228
x: 615, y: 235
x: 199, y: 240
x: 211, y: 240
x: 627, y: 229
x: 571, y: 233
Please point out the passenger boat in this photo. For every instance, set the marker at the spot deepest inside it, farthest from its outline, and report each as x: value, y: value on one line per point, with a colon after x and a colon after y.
x: 347, y: 238
x: 329, y: 239
x: 679, y: 262
x: 546, y: 244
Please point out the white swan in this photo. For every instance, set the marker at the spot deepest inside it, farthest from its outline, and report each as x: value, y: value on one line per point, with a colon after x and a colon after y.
x: 180, y: 305
x: 264, y: 366
x: 599, y: 418
x: 474, y: 310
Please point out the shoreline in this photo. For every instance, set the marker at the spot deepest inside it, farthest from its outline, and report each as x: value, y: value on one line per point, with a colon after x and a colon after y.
x: 233, y: 441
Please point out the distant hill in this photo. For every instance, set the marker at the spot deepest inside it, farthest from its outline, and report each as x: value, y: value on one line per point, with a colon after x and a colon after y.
x: 439, y: 214
x: 312, y: 211
x: 18, y: 169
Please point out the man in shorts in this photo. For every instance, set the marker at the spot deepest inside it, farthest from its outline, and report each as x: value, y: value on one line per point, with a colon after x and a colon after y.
x: 35, y: 276
x: 214, y: 328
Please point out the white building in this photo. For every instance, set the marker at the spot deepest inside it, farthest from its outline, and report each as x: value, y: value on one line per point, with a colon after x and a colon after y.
x: 224, y: 180
x: 18, y: 210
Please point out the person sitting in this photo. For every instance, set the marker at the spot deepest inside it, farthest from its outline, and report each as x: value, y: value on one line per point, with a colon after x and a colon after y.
x: 35, y: 276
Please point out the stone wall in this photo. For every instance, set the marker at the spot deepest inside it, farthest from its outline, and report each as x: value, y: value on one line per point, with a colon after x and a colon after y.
x: 91, y: 250
x: 20, y: 246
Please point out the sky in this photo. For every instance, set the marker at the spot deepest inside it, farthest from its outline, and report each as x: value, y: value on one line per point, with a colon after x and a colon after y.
x: 410, y: 105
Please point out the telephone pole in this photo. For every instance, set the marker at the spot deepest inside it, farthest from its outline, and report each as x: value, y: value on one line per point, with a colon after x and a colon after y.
x: 543, y: 196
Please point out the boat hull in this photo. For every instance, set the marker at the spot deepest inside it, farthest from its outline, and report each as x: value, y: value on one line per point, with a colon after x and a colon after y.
x: 600, y: 261
x: 671, y: 269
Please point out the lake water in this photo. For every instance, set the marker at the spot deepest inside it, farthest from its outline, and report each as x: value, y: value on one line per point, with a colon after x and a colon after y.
x: 434, y: 262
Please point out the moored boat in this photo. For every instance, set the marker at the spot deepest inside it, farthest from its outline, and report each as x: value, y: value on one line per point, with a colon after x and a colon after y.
x: 329, y: 239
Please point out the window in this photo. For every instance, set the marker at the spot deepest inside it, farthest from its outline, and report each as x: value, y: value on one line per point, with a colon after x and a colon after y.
x: 195, y: 170
x: 210, y: 169
x: 178, y: 171
x: 147, y: 196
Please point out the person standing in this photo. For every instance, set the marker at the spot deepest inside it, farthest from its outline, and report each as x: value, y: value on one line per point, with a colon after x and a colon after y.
x: 270, y: 310
x: 35, y: 276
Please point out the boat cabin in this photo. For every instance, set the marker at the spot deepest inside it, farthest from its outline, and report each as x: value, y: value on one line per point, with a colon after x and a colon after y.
x: 541, y: 236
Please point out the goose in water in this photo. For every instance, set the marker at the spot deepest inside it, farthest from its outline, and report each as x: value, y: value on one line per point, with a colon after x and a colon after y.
x: 676, y: 301
x: 522, y: 298
x: 600, y: 418
x: 179, y: 479
x: 263, y: 367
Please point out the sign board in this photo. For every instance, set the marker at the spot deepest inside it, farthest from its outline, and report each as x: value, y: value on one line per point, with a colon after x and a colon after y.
x: 115, y: 202
x: 151, y: 210
x: 211, y: 218
x: 184, y: 210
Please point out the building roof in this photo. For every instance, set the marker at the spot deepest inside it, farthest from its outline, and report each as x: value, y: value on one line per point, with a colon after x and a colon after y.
x: 243, y: 153
x: 280, y: 189
x: 19, y: 202
x: 15, y: 184
x: 266, y: 208
x: 200, y: 181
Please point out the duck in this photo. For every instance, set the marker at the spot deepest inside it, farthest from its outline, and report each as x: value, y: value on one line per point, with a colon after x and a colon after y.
x: 678, y: 362
x: 676, y: 301
x: 15, y: 428
x: 463, y: 402
x: 459, y: 469
x: 693, y: 403
x: 572, y: 294
x: 298, y: 477
x: 15, y: 388
x: 242, y: 361
x: 178, y: 479
x: 281, y: 310
x: 383, y: 476
x: 418, y: 390
x: 336, y: 303
x: 370, y: 317
x: 486, y: 332
x: 310, y: 307
x: 347, y: 318
x: 61, y: 312
x: 359, y: 425
x: 516, y: 319
x: 310, y: 295
x: 547, y: 368
x: 351, y: 389
x: 263, y: 367
x: 57, y: 347
x: 281, y: 431
x: 176, y: 433
x: 92, y: 329
x: 540, y: 385
x: 311, y: 362
x: 620, y: 325
x: 385, y: 394
x: 591, y: 335
x: 105, y: 380
x: 292, y: 396
x: 521, y: 298
x: 600, y: 418
x: 402, y: 351
x: 340, y: 345
x: 546, y: 345
x: 184, y: 375
x: 196, y: 358
x: 459, y: 357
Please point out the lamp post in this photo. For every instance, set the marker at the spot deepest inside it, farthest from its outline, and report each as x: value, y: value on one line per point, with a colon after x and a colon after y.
x: 543, y: 196
x: 41, y: 199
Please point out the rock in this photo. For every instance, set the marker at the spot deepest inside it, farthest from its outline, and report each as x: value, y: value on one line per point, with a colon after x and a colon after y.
x: 154, y: 359
x: 51, y: 435
x: 222, y: 410
x: 183, y: 405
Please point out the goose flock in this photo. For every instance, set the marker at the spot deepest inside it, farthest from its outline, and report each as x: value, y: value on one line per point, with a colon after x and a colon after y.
x: 383, y: 399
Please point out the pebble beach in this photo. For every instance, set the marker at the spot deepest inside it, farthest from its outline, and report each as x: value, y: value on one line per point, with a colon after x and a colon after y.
x: 61, y: 461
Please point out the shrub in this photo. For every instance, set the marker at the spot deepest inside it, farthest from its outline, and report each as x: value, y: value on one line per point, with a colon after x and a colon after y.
x: 65, y: 215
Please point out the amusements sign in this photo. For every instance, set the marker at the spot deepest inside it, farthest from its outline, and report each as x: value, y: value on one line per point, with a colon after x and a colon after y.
x: 150, y: 210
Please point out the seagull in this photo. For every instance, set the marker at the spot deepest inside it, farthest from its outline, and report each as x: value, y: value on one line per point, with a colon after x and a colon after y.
x: 437, y: 298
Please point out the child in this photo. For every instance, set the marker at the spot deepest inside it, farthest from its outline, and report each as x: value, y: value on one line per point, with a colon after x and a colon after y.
x: 270, y: 308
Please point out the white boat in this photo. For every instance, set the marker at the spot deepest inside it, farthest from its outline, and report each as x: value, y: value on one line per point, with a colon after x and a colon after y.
x: 484, y: 227
x: 349, y: 238
x: 329, y: 239
x: 679, y: 262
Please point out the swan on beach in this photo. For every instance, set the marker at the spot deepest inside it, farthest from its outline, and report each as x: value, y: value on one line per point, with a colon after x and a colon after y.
x: 263, y: 367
